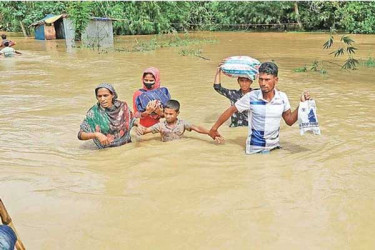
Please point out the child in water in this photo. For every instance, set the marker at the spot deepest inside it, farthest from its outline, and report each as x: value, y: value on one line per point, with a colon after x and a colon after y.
x: 238, y: 118
x: 5, y: 40
x: 173, y: 128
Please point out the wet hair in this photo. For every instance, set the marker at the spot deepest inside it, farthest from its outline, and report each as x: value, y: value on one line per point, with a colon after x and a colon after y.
x: 269, y: 68
x: 3, y: 36
x: 172, y: 104
x: 6, y: 44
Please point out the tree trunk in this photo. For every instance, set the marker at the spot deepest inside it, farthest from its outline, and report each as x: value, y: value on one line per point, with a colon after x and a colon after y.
x: 23, y: 29
x: 297, y: 15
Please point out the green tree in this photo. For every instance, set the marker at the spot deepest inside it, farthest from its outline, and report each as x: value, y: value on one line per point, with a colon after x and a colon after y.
x: 80, y: 13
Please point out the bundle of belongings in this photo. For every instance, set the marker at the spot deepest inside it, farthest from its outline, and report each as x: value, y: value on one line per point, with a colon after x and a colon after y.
x: 161, y: 94
x: 240, y: 66
x: 7, y: 238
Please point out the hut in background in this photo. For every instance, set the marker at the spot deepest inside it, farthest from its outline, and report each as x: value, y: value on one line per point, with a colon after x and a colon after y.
x: 52, y: 27
x: 98, y: 33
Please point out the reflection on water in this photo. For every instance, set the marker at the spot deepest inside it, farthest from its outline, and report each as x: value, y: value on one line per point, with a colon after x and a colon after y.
x: 189, y: 194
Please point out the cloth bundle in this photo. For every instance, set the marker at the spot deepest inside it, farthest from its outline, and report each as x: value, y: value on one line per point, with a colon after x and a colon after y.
x: 7, y: 238
x: 161, y: 94
x: 240, y: 66
x: 307, y: 119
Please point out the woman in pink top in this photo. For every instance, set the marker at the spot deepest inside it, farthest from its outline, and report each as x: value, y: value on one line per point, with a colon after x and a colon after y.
x: 153, y: 112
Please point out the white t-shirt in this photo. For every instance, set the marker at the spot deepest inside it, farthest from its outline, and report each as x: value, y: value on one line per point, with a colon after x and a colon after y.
x: 8, y: 51
x: 264, y: 119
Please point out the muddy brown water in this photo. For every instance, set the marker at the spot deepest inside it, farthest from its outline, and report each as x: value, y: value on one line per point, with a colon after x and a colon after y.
x: 317, y: 192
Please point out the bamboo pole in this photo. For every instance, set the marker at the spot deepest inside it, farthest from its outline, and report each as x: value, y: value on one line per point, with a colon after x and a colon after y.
x: 23, y: 29
x: 297, y: 15
x: 5, y: 219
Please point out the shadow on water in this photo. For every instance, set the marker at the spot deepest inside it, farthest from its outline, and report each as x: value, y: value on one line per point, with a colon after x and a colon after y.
x: 294, y: 148
x: 240, y: 140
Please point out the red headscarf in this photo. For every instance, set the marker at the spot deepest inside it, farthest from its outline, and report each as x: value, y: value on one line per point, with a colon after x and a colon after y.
x: 156, y: 73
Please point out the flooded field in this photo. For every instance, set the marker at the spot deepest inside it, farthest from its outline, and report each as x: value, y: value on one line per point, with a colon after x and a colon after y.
x: 317, y: 192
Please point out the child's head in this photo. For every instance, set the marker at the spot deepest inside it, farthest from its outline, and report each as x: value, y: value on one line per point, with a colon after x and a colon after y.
x: 6, y: 44
x: 171, y: 110
x: 244, y: 83
x: 3, y: 36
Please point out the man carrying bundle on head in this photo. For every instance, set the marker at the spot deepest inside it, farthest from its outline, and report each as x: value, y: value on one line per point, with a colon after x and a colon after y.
x: 267, y: 106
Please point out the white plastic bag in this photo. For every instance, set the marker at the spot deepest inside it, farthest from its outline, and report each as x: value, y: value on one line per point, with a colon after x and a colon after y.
x: 307, y: 119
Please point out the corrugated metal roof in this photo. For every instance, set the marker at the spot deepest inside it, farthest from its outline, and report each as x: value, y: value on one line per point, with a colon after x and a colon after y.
x: 52, y: 19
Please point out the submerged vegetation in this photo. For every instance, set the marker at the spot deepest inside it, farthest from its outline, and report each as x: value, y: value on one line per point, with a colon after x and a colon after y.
x: 316, y: 66
x: 369, y: 63
x: 164, y: 41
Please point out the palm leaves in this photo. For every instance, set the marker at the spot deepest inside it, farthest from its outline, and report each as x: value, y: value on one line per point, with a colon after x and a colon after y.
x: 347, y: 40
x: 329, y: 43
x: 351, y: 63
x: 347, y: 48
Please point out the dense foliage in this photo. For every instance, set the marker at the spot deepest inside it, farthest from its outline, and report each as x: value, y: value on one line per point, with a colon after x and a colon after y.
x: 165, y: 17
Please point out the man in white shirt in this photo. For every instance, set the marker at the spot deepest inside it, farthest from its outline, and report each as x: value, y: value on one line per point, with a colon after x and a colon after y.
x: 265, y: 106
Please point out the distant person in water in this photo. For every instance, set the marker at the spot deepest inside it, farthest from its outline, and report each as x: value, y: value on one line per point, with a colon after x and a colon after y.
x: 266, y: 106
x: 109, y: 121
x: 154, y: 109
x: 8, y: 51
x: 4, y: 40
x: 172, y: 128
x: 237, y: 118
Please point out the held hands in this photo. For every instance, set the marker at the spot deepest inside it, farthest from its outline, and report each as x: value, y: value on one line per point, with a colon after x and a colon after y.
x: 140, y: 130
x: 214, y: 134
x: 104, y: 139
x: 219, y: 140
x: 305, y: 96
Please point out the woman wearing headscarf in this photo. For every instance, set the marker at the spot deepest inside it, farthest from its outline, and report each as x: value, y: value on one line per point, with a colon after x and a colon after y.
x: 109, y: 121
x: 154, y: 110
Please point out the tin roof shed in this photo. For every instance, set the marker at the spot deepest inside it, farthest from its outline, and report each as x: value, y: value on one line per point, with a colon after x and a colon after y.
x: 98, y: 33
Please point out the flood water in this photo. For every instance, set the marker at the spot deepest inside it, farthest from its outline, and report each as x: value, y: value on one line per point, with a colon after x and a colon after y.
x: 317, y: 192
